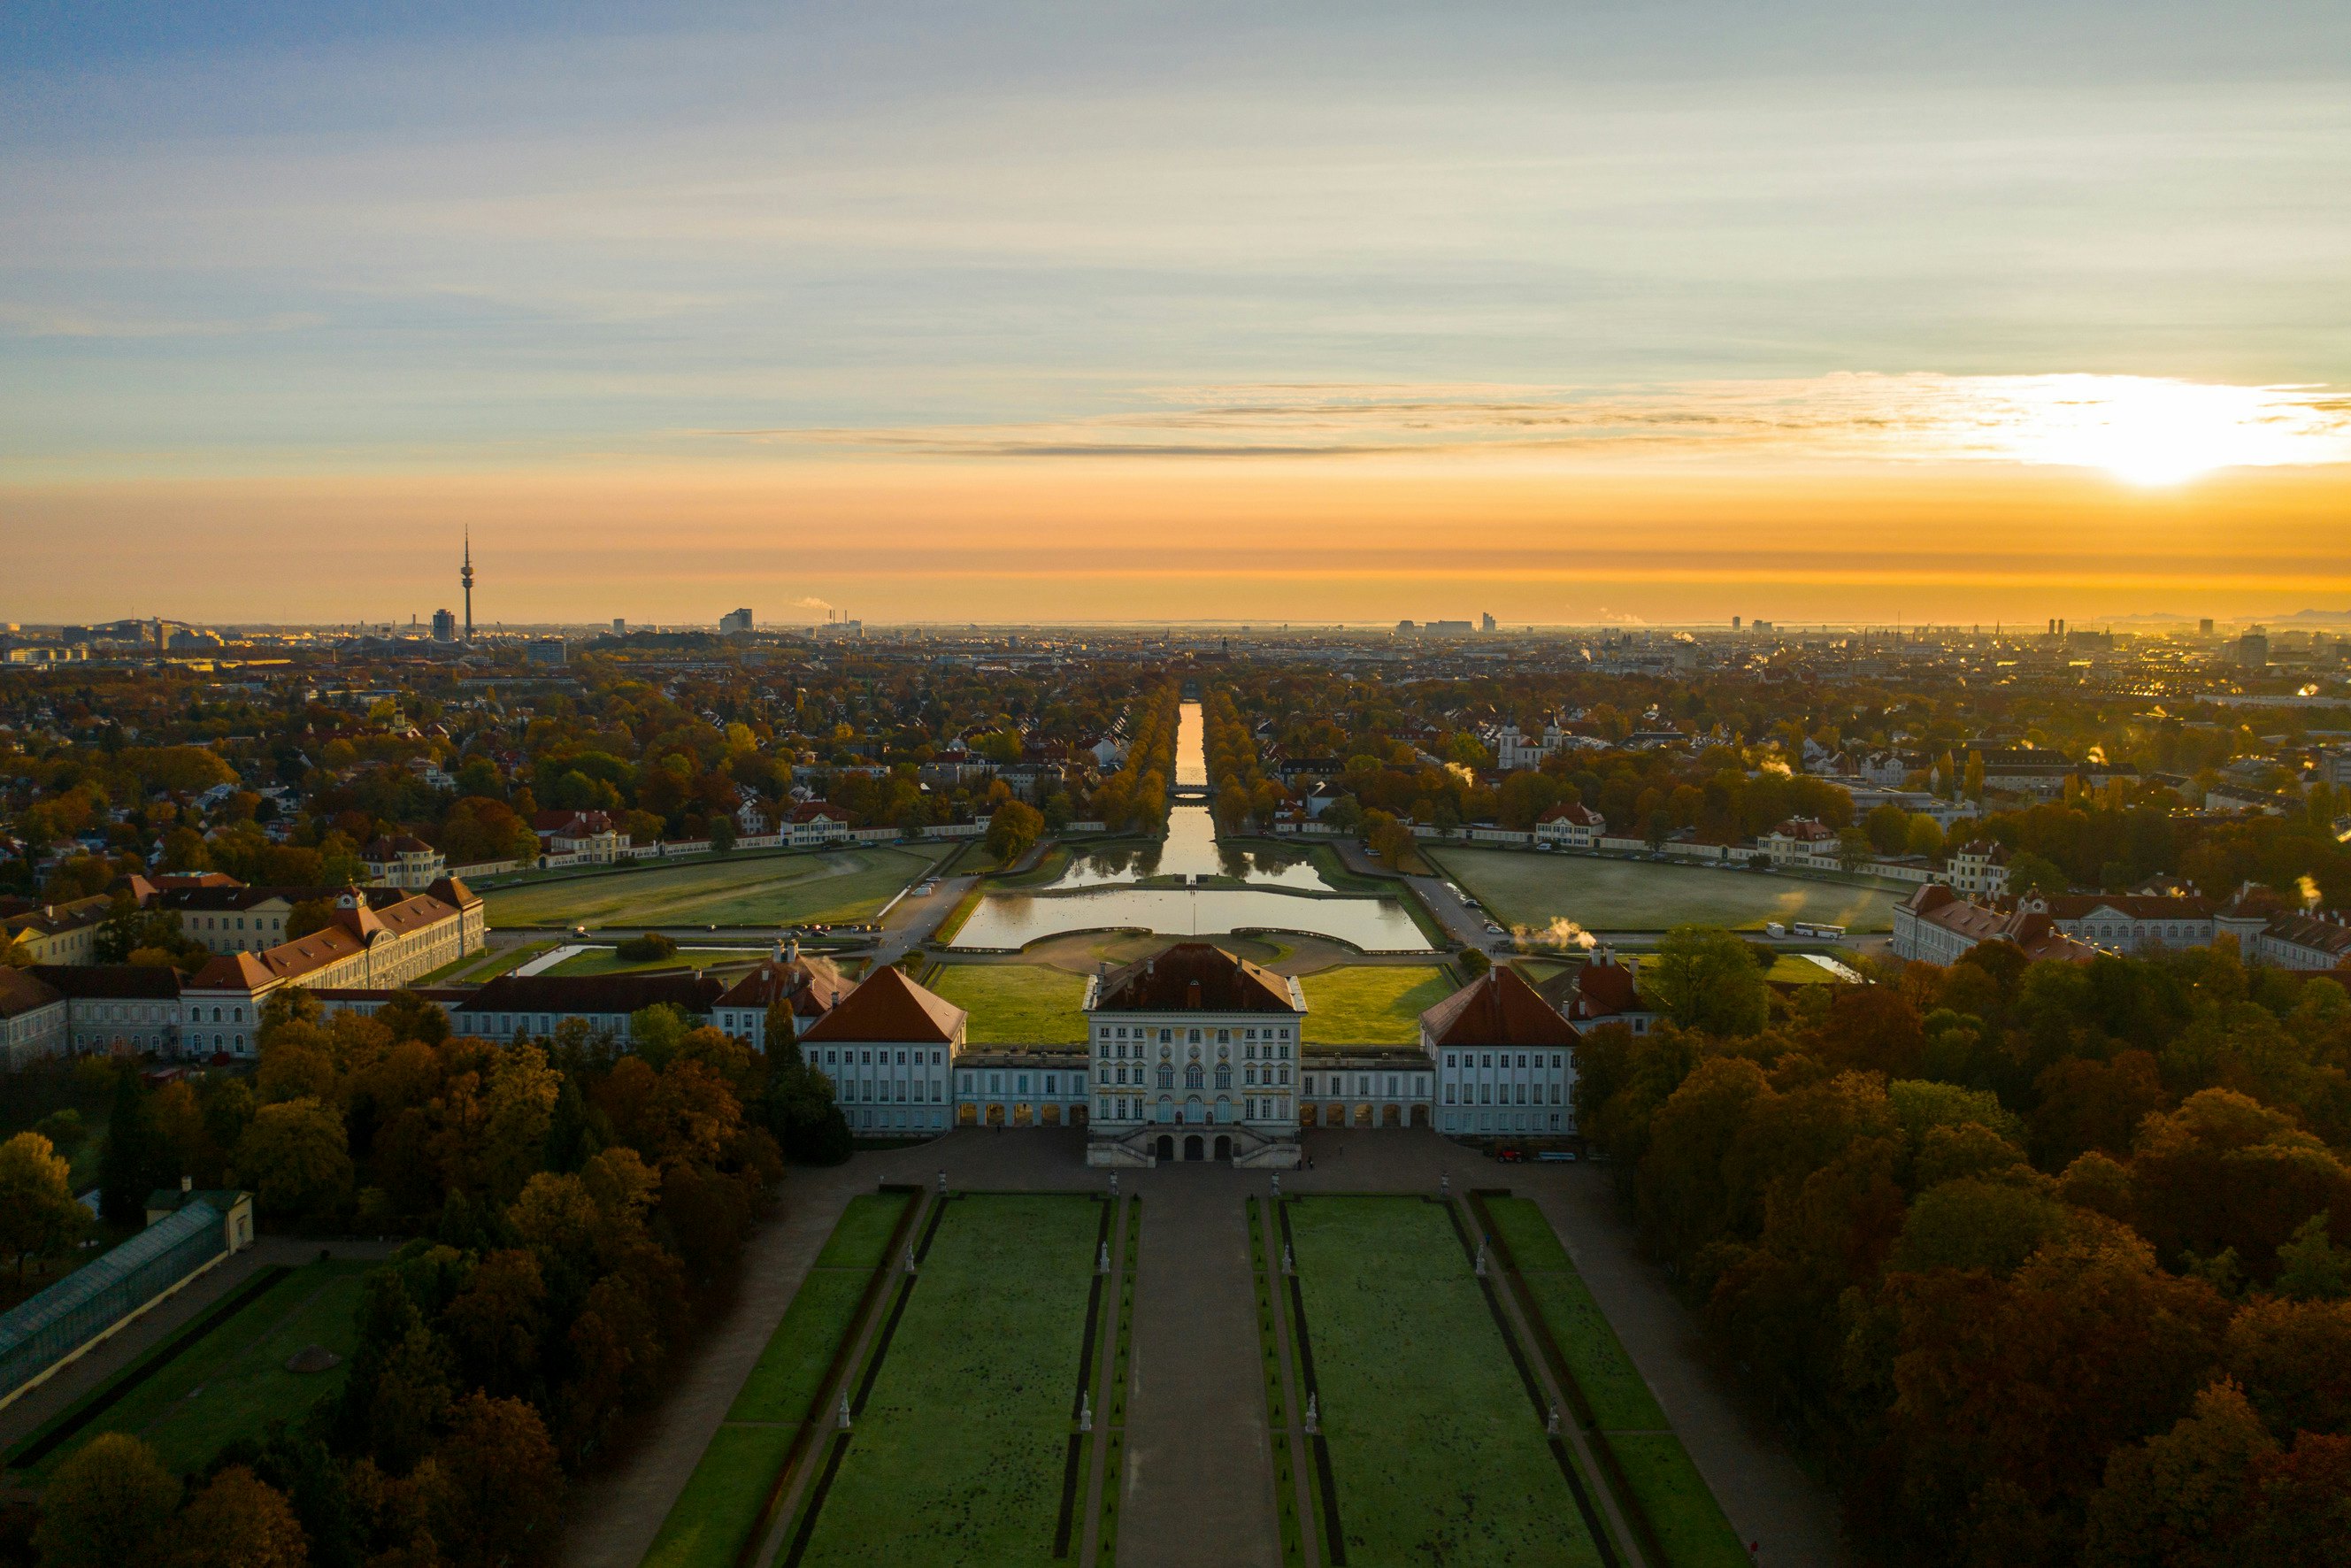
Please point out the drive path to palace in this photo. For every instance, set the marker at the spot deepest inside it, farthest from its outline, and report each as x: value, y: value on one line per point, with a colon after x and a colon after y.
x: 1199, y: 1469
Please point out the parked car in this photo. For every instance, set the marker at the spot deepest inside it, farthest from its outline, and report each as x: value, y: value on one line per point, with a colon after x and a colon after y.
x: 1512, y: 1156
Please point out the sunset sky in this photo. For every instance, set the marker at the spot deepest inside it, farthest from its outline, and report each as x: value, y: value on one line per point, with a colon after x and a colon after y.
x: 1569, y: 312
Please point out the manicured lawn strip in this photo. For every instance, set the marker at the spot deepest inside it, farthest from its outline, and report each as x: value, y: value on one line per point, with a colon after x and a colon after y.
x: 959, y: 1451
x: 1016, y: 1004
x: 793, y: 889
x: 789, y: 1373
x: 1619, y: 1397
x: 864, y: 1230
x: 1525, y: 887
x: 1680, y: 1508
x: 725, y: 1499
x: 608, y: 961
x: 1277, y: 1402
x: 1679, y: 1504
x: 714, y: 1515
x: 233, y: 1382
x: 1372, y: 1004
x: 1436, y: 1454
x: 959, y: 916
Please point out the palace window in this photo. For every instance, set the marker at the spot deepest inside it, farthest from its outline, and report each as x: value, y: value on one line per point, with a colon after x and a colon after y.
x: 1224, y: 1075
x: 1193, y: 1078
x: 1285, y: 1075
x: 1167, y: 1077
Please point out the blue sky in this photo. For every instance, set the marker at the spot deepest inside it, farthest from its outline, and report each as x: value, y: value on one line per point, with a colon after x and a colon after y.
x: 254, y: 240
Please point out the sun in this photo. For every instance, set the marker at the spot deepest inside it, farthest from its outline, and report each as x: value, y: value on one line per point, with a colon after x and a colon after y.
x: 2155, y: 433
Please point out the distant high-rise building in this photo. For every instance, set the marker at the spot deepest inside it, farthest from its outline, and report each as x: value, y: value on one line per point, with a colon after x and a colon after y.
x: 445, y: 626
x: 2253, y: 649
x: 1734, y: 623
x: 620, y: 627
x: 734, y: 620
x: 544, y: 651
x: 1488, y: 623
x: 2204, y: 627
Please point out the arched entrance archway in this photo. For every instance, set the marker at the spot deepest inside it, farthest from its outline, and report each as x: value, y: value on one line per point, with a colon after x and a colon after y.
x: 1024, y: 1114
x: 967, y: 1115
x: 1224, y: 1147
x: 1362, y: 1116
x: 1167, y: 1146
x: 1077, y: 1115
x: 1390, y: 1116
x: 1050, y: 1115
x: 995, y: 1115
x: 1420, y: 1115
x: 1193, y: 1149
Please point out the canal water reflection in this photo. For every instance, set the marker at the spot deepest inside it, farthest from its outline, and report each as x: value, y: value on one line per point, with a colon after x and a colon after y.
x: 1146, y: 886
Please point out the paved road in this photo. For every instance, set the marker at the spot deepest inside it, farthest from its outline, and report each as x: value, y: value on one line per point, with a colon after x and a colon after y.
x: 1199, y: 1470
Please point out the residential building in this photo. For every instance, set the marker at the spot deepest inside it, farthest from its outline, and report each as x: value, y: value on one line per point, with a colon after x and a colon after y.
x: 33, y: 1018
x: 363, y: 944
x: 117, y: 1007
x: 1570, y: 826
x: 2127, y: 922
x: 1936, y: 926
x: 1604, y: 990
x: 546, y: 651
x: 578, y: 838
x: 58, y: 933
x: 813, y: 985
x: 1503, y: 1058
x: 539, y: 1004
x: 890, y: 1048
x: 735, y: 622
x: 1977, y: 869
x: 1803, y: 844
x: 403, y: 861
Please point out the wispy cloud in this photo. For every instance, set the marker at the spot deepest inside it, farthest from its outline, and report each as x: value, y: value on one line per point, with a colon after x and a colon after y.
x: 2142, y: 427
x: 56, y: 321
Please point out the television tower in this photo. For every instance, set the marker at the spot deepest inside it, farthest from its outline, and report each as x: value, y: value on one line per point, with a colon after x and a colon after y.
x: 466, y: 577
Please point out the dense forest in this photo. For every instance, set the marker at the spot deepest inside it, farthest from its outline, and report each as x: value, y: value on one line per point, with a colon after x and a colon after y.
x: 2046, y: 1261
x: 574, y: 1212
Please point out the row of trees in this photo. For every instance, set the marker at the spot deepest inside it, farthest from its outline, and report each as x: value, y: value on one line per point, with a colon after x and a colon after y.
x: 573, y: 1210
x: 1236, y: 771
x: 1134, y: 799
x: 2046, y: 1259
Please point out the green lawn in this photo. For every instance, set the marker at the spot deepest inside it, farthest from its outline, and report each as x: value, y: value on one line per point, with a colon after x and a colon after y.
x: 1369, y: 1004
x: 1527, y: 887
x: 1437, y: 1453
x: 957, y: 1456
x: 1016, y: 1004
x: 828, y: 885
x: 233, y: 1382
x: 719, y: 1507
x: 1671, y: 1492
x: 608, y: 961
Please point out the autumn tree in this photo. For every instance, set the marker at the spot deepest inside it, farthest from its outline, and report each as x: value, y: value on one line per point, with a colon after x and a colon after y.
x: 108, y: 1505
x: 238, y: 1521
x: 39, y: 1217
x: 1703, y: 978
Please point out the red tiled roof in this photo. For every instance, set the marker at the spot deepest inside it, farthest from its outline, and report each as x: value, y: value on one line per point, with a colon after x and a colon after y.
x: 1193, y: 977
x: 1605, y: 988
x: 888, y: 1006
x: 1499, y: 1007
x: 814, y: 984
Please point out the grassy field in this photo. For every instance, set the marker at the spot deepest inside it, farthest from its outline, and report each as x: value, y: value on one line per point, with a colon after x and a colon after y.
x: 719, y: 1507
x: 608, y: 961
x: 1673, y: 1494
x: 1437, y: 1453
x: 828, y: 885
x: 1016, y: 1004
x: 1524, y: 887
x: 233, y: 1382
x: 957, y: 1456
x: 1370, y: 1004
